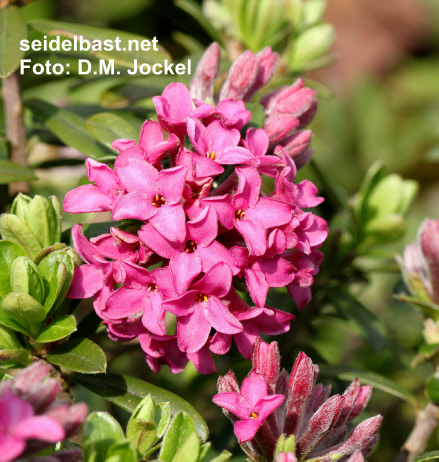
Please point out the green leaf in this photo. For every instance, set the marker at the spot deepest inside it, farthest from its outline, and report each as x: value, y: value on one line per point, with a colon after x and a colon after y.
x: 361, y: 319
x: 11, y: 172
x: 56, y: 271
x: 107, y: 127
x: 125, y: 57
x: 433, y: 388
x: 8, y: 339
x: 58, y: 329
x: 162, y: 418
x: 15, y: 356
x: 23, y: 313
x: 142, y: 433
x: 79, y: 355
x: 145, y: 410
x: 9, y: 251
x: 127, y: 392
x: 427, y: 456
x: 39, y: 221
x: 192, y: 8
x: 121, y: 452
x: 101, y: 431
x: 369, y: 378
x: 225, y: 455
x: 179, y: 431
x: 311, y: 45
x: 15, y: 229
x: 13, y: 29
x: 68, y: 127
x: 189, y: 450
x: 25, y: 278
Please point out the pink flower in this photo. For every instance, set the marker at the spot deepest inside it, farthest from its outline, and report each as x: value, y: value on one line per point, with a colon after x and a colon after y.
x: 173, y: 106
x: 18, y: 423
x: 99, y: 197
x: 154, y: 196
x: 30, y: 419
x: 200, y: 308
x: 252, y: 405
x: 206, y: 73
x: 218, y: 143
x: 151, y: 147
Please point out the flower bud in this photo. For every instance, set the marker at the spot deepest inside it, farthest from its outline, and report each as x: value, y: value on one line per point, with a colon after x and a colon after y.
x: 207, y: 71
x: 266, y: 361
x: 241, y: 78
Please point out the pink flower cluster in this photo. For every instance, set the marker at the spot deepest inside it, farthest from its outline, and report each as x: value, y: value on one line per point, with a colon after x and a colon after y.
x: 271, y: 405
x: 204, y: 221
x: 31, y: 419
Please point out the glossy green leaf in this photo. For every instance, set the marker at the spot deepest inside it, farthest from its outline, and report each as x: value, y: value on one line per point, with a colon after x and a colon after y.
x: 41, y: 220
x: 25, y: 279
x: 79, y: 355
x: 180, y: 429
x: 11, y: 172
x: 8, y: 339
x: 189, y: 450
x: 15, y: 356
x: 368, y: 378
x: 225, y: 455
x: 145, y: 410
x: 56, y: 271
x: 162, y: 417
x: 124, y: 57
x: 127, y: 392
x: 15, y: 229
x: 57, y: 330
x: 9, y: 251
x: 13, y: 29
x: 101, y: 431
x: 23, y: 313
x: 107, y: 127
x: 142, y: 434
x: 121, y: 452
x: 68, y: 127
x: 433, y: 388
x: 432, y: 455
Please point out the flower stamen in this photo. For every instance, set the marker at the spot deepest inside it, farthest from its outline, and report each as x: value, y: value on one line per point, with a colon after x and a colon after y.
x: 159, y: 201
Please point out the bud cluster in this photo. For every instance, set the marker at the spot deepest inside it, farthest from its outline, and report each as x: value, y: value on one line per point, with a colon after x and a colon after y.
x: 204, y: 223
x: 290, y: 418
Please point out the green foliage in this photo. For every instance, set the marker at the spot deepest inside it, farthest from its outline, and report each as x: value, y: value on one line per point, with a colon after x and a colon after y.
x: 380, y: 207
x: 79, y: 355
x: 127, y: 392
x: 150, y: 433
x: 10, y: 172
x: 13, y: 30
x: 433, y: 455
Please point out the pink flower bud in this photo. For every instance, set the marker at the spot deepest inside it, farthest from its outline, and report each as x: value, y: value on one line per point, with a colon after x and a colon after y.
x: 207, y: 71
x: 286, y: 457
x: 429, y: 242
x: 266, y: 361
x: 241, y: 78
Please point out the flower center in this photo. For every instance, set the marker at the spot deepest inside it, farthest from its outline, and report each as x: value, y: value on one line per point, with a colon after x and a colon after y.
x: 254, y: 415
x: 239, y: 214
x: 190, y: 247
x: 152, y: 287
x: 211, y: 155
x: 159, y: 201
x: 200, y: 297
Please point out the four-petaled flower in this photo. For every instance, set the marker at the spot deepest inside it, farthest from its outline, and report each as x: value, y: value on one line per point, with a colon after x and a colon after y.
x: 252, y: 405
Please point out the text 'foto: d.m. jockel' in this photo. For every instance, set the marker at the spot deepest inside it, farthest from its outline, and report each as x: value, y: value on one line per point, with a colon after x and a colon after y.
x: 204, y: 220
